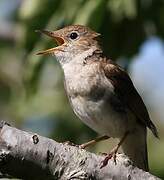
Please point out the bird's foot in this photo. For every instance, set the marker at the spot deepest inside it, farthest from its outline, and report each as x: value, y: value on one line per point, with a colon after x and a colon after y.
x: 109, y: 156
x: 113, y: 152
x: 94, y: 141
x: 73, y: 144
x: 90, y: 143
x: 69, y: 143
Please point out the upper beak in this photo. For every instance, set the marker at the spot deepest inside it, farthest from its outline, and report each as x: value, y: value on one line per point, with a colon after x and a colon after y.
x: 56, y: 37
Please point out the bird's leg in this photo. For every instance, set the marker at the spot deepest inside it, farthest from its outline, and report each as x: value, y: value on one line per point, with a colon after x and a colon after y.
x: 87, y: 144
x: 113, y: 152
x: 94, y: 141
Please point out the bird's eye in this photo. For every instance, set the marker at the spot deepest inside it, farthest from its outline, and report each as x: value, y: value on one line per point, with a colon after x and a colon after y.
x: 73, y: 35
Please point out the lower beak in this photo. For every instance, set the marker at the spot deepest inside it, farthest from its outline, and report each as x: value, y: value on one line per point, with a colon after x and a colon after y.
x: 56, y: 37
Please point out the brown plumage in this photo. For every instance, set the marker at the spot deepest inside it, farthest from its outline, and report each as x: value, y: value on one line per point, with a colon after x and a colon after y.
x: 101, y: 93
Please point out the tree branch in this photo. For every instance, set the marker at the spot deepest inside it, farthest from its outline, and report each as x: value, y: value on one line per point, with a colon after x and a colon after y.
x: 29, y: 156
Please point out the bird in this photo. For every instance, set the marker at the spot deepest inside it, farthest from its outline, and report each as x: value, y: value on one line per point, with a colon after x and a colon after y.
x: 101, y: 93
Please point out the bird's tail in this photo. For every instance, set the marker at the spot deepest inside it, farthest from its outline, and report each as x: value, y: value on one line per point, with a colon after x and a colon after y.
x: 135, y: 147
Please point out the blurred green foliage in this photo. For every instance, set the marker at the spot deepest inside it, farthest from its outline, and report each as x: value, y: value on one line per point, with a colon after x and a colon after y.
x: 31, y: 86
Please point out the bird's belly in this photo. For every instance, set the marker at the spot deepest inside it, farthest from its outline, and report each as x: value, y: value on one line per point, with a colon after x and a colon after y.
x: 101, y: 118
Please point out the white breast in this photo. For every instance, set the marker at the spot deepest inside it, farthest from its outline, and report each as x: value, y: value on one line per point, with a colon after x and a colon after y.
x: 100, y: 116
x: 79, y: 76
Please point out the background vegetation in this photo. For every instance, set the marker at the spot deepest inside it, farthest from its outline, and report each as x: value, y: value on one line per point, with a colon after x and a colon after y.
x: 31, y: 88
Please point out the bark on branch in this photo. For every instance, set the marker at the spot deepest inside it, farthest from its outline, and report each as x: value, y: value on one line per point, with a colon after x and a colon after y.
x: 27, y: 155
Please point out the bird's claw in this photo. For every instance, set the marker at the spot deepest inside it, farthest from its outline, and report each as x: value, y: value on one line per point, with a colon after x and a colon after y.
x: 105, y: 161
x: 109, y: 156
x: 72, y: 144
x: 81, y: 146
x: 69, y: 143
x: 114, y: 158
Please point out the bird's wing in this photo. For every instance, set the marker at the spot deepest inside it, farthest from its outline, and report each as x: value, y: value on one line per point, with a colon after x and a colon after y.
x: 126, y: 92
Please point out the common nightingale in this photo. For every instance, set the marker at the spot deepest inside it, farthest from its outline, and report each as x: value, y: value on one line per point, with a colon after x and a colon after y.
x: 101, y: 93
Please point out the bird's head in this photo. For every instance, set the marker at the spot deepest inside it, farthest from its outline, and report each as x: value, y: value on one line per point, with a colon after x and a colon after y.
x: 72, y: 41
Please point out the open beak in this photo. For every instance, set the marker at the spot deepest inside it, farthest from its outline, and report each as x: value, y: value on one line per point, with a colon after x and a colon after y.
x: 56, y: 37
